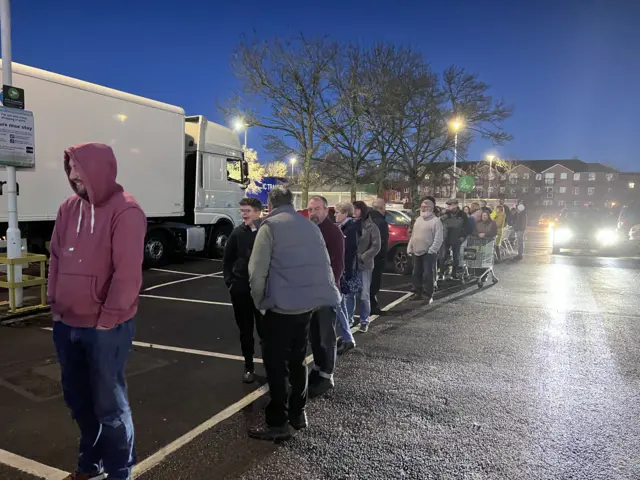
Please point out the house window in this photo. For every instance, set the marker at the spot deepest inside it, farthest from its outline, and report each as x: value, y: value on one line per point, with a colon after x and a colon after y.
x: 513, y: 180
x: 576, y: 190
x: 549, y: 195
x: 562, y: 190
x: 447, y: 176
x: 525, y: 176
x: 632, y: 185
x: 547, y: 203
x: 609, y: 177
x: 563, y: 176
x: 538, y: 176
x: 550, y: 175
x: 513, y: 175
x: 561, y: 203
x: 525, y: 189
x: 590, y: 190
x: 502, y: 189
x: 437, y: 189
x: 490, y: 190
x: 592, y: 177
x: 549, y: 181
x: 406, y: 190
x: 513, y: 191
x: 576, y: 176
x: 537, y: 189
x: 503, y: 177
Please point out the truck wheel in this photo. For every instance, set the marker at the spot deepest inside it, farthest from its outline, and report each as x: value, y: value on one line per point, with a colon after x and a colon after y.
x: 219, y: 240
x: 401, y: 261
x: 157, y: 249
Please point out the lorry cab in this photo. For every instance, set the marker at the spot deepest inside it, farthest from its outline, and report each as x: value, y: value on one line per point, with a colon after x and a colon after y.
x: 216, y: 177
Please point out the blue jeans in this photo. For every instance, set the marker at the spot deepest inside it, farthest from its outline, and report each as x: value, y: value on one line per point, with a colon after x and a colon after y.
x: 346, y: 309
x: 365, y: 300
x: 92, y: 363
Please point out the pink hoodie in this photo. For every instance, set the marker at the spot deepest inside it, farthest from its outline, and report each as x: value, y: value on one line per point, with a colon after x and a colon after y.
x: 95, y: 270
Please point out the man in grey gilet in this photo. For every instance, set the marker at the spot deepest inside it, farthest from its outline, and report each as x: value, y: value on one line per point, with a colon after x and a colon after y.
x: 290, y: 275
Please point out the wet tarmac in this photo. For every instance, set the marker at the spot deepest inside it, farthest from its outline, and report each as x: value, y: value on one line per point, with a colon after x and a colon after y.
x: 536, y: 377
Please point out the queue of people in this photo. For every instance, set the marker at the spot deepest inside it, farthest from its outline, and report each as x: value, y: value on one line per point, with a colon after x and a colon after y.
x: 291, y: 280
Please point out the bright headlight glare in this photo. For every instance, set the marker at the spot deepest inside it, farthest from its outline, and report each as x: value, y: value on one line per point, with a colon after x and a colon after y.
x: 607, y: 237
x: 562, y: 235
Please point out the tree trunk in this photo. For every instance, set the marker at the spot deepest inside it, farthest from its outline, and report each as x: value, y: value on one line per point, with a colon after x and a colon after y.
x: 415, y: 200
x: 354, y: 186
x: 306, y: 172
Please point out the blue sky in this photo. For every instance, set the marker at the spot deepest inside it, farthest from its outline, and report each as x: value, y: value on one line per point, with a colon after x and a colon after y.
x: 570, y: 67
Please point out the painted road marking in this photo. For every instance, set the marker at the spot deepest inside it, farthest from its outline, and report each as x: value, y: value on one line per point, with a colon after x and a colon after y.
x: 192, y: 351
x: 214, y: 275
x: 204, y: 353
x: 394, y: 291
x: 178, y: 272
x: 189, y: 300
x: 31, y: 467
x: 159, y: 456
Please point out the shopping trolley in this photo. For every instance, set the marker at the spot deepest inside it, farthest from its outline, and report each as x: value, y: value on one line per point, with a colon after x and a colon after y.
x: 477, y: 255
x: 507, y: 246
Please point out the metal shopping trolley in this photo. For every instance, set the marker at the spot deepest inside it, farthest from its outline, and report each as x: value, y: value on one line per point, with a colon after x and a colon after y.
x: 477, y: 255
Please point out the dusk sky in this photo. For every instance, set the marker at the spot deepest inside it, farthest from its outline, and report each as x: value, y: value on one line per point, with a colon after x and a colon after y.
x: 570, y: 67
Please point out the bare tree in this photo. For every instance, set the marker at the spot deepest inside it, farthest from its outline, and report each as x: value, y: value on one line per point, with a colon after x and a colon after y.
x: 286, y: 83
x: 346, y: 129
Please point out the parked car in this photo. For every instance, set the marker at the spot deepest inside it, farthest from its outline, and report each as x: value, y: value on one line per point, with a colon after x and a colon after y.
x: 548, y: 220
x: 399, y: 223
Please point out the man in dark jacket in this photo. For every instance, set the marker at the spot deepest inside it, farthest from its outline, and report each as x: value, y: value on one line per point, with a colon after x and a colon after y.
x: 456, y: 225
x: 377, y: 214
x: 235, y: 268
x: 322, y: 333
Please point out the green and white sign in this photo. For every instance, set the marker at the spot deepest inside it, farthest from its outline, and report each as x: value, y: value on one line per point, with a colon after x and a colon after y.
x: 466, y: 184
x: 13, y: 97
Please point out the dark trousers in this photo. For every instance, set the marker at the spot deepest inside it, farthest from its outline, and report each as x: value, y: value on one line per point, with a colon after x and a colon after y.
x: 322, y: 335
x: 376, y: 282
x: 92, y: 363
x: 455, y: 246
x: 247, y: 315
x: 284, y: 348
x: 424, y: 273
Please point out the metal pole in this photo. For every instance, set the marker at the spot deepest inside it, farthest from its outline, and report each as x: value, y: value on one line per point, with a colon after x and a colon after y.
x: 14, y: 245
x: 455, y: 165
x: 245, y: 136
x: 489, y: 191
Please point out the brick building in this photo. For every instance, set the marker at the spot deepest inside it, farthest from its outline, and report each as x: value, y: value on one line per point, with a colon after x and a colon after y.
x: 550, y: 184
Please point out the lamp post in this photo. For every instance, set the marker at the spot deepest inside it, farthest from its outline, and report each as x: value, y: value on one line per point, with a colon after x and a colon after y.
x: 292, y: 161
x: 240, y: 125
x: 490, y: 158
x: 455, y: 125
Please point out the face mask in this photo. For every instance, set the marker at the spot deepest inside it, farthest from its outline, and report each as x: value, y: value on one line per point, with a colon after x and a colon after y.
x: 520, y: 207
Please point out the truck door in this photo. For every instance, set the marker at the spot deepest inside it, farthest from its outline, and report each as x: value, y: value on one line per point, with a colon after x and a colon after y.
x: 217, y: 194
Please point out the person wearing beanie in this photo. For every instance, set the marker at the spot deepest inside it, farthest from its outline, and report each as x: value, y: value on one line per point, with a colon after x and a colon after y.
x: 424, y: 244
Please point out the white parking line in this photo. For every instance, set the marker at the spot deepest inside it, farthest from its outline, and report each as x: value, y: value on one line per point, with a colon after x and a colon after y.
x: 394, y: 291
x: 31, y: 467
x: 204, y: 353
x: 206, y: 302
x: 158, y: 457
x: 215, y: 275
x: 394, y: 274
x: 176, y: 272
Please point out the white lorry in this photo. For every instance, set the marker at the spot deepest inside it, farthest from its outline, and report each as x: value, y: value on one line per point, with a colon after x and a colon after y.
x: 187, y: 173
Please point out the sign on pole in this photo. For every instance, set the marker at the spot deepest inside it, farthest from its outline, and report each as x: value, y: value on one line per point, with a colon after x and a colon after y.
x: 13, y: 97
x: 17, y: 147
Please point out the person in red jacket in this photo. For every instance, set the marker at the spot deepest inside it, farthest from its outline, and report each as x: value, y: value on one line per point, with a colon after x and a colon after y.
x: 322, y: 333
x: 95, y: 275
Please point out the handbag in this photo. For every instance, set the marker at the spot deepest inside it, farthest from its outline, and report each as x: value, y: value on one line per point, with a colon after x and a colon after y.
x: 351, y: 285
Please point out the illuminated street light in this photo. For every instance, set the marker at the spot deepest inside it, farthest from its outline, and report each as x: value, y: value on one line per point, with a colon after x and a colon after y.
x: 455, y: 125
x: 292, y: 161
x: 239, y: 125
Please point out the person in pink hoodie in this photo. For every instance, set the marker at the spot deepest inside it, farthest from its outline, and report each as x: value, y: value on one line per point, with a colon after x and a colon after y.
x: 95, y: 275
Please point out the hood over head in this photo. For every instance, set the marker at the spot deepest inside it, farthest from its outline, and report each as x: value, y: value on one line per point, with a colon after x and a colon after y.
x: 97, y: 167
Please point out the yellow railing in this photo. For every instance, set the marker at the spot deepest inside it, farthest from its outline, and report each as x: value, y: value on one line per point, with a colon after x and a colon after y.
x: 6, y: 280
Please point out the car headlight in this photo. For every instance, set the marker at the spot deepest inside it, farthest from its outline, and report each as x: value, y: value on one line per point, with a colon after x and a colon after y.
x: 607, y: 237
x: 562, y: 235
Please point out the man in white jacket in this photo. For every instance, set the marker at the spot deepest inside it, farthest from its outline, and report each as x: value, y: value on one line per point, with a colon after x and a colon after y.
x: 424, y: 244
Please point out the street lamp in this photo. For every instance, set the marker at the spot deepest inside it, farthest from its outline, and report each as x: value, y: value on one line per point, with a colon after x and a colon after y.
x: 490, y: 159
x: 455, y: 125
x: 292, y: 161
x: 239, y: 125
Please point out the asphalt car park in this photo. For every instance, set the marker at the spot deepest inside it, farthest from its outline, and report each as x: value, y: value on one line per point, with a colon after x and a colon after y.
x: 184, y: 373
